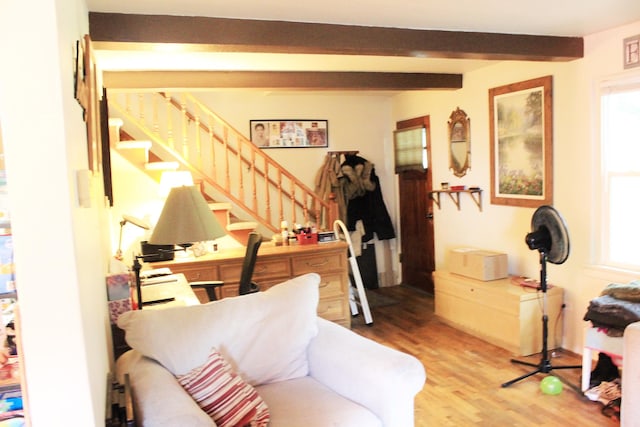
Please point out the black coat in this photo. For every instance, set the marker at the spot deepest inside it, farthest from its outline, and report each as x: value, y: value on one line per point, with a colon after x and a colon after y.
x: 369, y: 208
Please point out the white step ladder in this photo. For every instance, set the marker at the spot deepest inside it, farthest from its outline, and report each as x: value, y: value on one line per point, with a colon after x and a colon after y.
x: 341, y: 233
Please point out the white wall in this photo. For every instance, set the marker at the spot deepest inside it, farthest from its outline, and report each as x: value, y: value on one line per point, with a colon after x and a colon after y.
x: 59, y: 247
x: 357, y: 121
x: 503, y: 228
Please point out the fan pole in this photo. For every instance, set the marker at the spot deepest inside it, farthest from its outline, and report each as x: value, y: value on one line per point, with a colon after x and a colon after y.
x: 545, y: 365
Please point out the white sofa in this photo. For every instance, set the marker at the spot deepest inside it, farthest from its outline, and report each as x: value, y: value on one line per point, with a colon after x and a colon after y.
x: 309, y: 371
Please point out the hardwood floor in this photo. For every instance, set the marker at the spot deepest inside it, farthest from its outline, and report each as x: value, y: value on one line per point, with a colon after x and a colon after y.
x: 464, y: 373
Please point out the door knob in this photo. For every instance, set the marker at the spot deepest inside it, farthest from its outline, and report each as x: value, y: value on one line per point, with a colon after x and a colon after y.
x: 429, y: 215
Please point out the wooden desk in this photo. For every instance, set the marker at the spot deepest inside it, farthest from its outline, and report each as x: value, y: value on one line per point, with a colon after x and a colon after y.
x: 167, y: 291
x: 274, y: 265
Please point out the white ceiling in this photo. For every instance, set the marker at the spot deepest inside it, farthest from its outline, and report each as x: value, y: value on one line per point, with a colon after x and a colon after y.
x: 548, y: 17
x: 539, y: 17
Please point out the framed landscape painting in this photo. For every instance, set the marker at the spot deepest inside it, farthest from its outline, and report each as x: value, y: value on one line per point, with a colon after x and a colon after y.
x: 521, y: 138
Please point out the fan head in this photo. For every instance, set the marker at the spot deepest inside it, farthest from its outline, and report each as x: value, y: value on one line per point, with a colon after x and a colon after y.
x: 549, y: 234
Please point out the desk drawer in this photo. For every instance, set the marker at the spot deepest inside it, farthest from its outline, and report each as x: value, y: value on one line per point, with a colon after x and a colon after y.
x: 332, y: 285
x: 195, y: 274
x: 233, y: 289
x: 229, y: 291
x: 333, y: 309
x: 317, y: 263
x: 230, y: 272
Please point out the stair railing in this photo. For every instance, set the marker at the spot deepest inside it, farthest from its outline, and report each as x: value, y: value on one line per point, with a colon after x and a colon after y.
x: 231, y: 168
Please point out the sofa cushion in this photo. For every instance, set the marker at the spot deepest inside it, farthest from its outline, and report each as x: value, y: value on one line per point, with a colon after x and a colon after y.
x: 309, y: 403
x: 223, y: 395
x: 264, y: 336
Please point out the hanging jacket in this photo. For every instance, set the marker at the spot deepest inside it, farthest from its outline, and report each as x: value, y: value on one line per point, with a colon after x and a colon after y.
x: 361, y: 188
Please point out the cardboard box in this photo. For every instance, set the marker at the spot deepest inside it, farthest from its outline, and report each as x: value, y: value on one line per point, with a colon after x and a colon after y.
x: 478, y: 264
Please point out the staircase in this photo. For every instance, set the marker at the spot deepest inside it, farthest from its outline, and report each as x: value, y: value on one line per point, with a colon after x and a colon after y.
x: 247, y: 189
x: 138, y: 153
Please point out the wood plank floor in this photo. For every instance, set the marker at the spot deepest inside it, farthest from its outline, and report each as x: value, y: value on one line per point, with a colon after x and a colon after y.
x: 464, y: 374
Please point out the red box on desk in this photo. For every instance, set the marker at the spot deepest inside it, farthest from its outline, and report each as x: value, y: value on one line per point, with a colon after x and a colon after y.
x: 307, y: 238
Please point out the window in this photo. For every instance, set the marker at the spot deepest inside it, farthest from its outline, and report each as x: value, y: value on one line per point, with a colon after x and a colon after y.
x: 620, y: 178
x: 411, y: 149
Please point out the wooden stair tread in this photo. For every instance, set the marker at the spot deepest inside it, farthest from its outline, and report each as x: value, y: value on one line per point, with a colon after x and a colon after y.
x: 130, y: 145
x: 161, y: 166
x: 242, y: 225
x: 116, y: 122
x: 220, y: 206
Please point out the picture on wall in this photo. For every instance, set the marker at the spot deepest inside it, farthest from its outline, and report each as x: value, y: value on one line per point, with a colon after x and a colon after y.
x: 632, y: 52
x: 521, y: 138
x: 289, y: 133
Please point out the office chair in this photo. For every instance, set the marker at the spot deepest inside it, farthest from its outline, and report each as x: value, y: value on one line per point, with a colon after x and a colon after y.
x: 210, y: 287
x: 248, y: 264
x: 246, y: 285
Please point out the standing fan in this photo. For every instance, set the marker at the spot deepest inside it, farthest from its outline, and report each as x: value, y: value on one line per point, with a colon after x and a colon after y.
x: 550, y: 237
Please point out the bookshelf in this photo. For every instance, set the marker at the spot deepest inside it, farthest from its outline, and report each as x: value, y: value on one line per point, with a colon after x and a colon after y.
x: 11, y: 366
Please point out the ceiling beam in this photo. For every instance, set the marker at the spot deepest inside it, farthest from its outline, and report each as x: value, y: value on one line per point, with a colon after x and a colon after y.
x: 109, y: 30
x: 280, y: 80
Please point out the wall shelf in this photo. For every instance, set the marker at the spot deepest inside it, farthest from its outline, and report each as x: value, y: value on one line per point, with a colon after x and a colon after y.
x: 454, y: 195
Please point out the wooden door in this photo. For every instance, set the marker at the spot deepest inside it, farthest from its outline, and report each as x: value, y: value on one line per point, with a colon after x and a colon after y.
x: 416, y: 219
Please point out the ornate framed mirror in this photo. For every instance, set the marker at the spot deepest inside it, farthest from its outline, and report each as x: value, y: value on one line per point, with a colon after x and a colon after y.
x: 459, y: 142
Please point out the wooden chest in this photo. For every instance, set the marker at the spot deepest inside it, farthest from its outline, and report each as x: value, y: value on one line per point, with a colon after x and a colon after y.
x: 497, y: 311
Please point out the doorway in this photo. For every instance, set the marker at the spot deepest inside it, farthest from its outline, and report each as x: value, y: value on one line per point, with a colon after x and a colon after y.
x: 416, y: 218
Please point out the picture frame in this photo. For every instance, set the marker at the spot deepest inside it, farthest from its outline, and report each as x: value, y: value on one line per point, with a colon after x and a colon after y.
x: 289, y: 133
x: 93, y: 93
x: 79, y: 76
x: 632, y: 52
x: 521, y: 138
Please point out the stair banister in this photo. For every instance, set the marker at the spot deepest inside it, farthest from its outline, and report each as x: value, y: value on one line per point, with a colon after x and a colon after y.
x: 302, y: 200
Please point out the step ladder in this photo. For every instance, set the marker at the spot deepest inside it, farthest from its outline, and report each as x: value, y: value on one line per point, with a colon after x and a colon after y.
x: 341, y: 233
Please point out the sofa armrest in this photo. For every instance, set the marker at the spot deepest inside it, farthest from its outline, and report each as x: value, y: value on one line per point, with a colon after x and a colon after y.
x: 377, y: 377
x: 630, y: 411
x: 159, y: 400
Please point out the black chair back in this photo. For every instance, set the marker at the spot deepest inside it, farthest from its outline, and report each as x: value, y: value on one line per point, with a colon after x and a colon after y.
x: 249, y: 263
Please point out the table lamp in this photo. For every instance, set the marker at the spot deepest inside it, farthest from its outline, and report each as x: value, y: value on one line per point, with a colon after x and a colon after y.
x: 185, y: 218
x: 133, y: 220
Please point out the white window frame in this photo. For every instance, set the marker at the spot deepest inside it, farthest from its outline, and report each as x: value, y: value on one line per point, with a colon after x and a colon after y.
x: 603, y: 221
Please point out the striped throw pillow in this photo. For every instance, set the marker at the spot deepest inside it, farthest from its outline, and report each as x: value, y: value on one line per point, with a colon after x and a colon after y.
x: 224, y: 395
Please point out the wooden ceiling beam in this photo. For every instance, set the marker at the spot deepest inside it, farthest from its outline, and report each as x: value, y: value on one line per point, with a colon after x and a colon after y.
x: 272, y: 80
x: 109, y: 30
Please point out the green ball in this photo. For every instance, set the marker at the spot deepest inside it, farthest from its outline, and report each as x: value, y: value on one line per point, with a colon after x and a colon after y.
x: 551, y: 385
